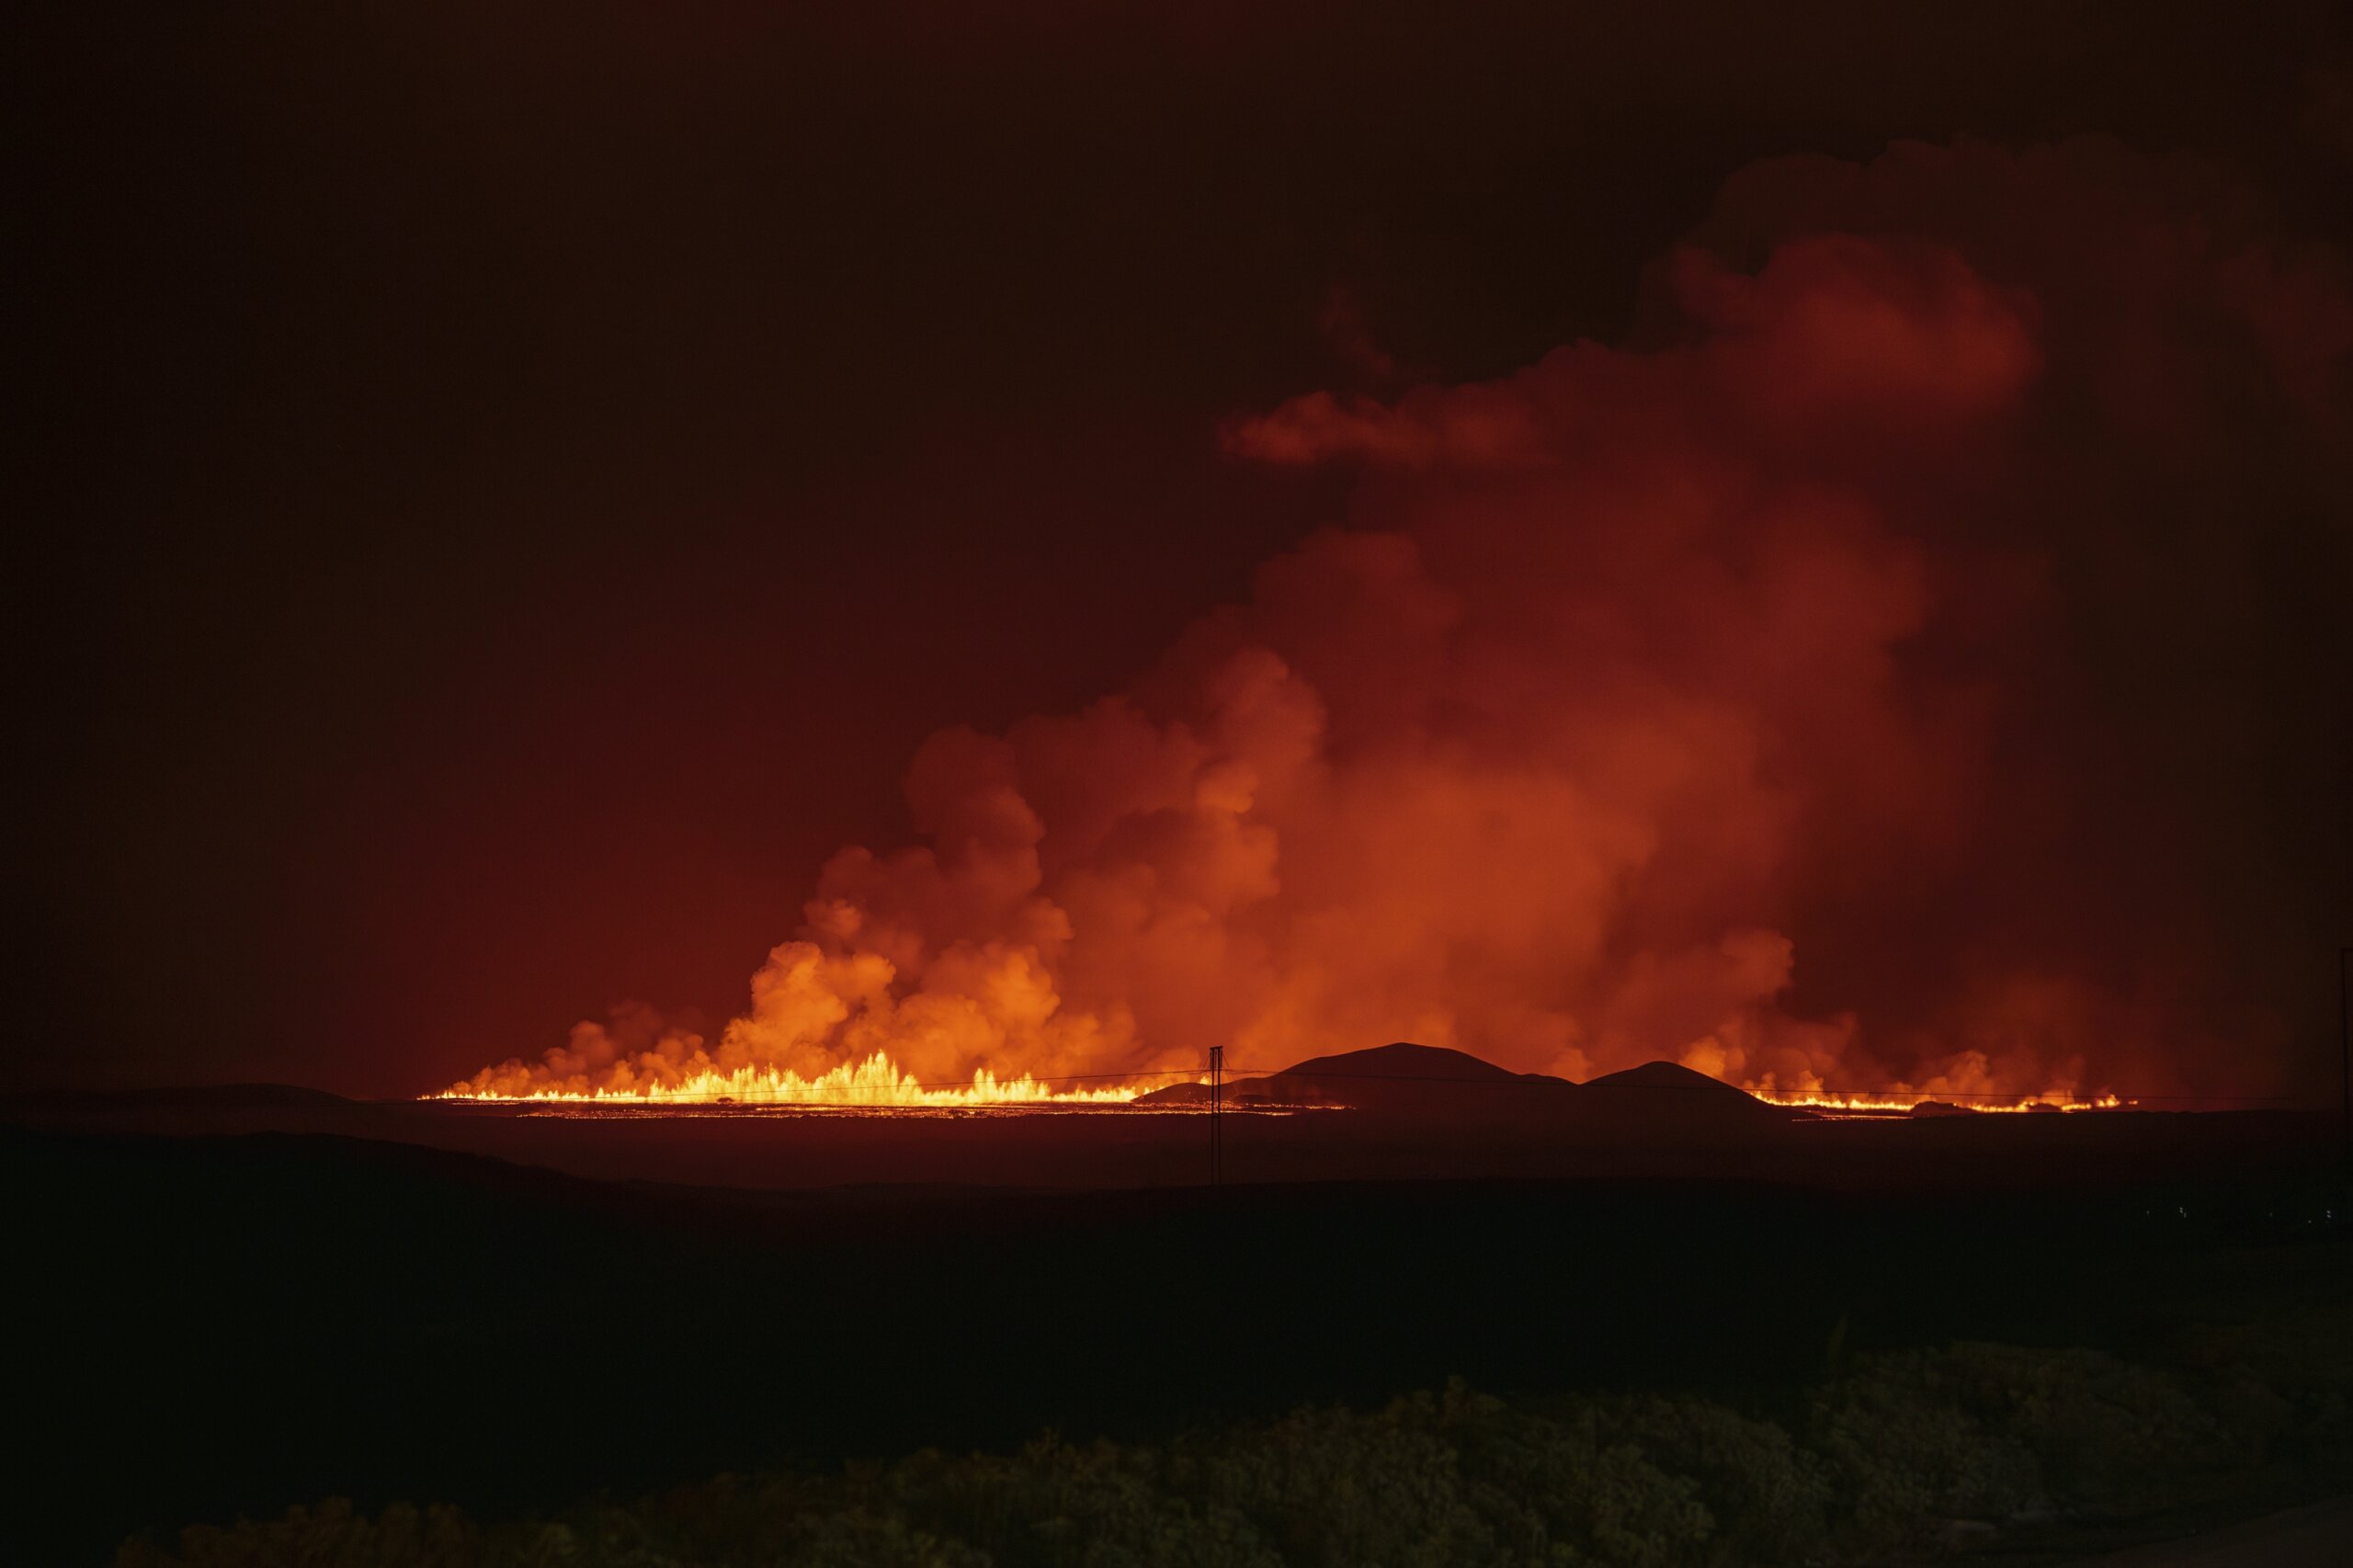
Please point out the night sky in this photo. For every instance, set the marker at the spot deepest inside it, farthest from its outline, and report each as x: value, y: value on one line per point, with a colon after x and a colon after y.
x: 513, y: 485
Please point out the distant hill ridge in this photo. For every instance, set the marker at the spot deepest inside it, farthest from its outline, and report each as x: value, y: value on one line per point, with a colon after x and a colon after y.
x: 1665, y: 1076
x: 1404, y: 1078
x: 206, y: 1094
x: 1403, y: 1059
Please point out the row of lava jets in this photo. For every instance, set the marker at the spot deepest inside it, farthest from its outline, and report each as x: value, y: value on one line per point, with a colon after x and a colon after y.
x: 877, y: 1083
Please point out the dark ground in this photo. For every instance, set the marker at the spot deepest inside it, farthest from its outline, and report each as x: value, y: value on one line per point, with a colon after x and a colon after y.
x: 228, y: 1322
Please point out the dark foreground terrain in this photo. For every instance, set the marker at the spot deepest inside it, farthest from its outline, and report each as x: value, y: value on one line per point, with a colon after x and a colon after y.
x: 219, y: 1324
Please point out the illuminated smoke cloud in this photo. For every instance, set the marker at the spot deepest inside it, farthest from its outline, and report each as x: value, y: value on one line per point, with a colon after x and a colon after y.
x: 1849, y: 685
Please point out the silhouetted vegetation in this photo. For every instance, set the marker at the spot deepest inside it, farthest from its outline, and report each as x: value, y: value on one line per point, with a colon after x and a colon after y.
x: 1903, y: 1454
x: 222, y: 1326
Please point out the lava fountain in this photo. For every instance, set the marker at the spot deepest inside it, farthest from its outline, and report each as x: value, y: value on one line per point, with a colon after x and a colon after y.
x: 875, y: 1082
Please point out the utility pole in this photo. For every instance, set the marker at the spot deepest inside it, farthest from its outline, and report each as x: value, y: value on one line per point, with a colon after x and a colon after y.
x: 1217, y: 1115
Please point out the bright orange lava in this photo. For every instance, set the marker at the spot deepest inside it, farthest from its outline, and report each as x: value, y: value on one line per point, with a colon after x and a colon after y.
x: 876, y: 1081
x: 1821, y: 1099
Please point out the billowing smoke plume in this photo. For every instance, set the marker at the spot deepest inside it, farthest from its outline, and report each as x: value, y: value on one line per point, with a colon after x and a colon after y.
x: 1909, y: 660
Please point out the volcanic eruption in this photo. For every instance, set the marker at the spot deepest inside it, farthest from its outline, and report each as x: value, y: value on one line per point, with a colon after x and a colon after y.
x: 1828, y: 688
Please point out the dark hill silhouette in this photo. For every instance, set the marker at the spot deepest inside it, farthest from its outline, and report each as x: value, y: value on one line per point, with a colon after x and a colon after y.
x: 1405, y: 1079
x: 1402, y: 1058
x: 190, y: 1096
x: 1668, y: 1075
x: 1399, y: 1076
x: 1377, y: 1076
x: 1666, y: 1096
x: 1402, y: 1080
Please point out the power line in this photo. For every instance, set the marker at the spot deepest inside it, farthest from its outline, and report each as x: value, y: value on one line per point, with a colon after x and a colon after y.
x: 2344, y: 1047
x: 1217, y: 1115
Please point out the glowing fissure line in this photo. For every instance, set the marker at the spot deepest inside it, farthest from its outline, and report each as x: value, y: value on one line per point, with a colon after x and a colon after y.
x: 876, y: 1081
x: 1827, y: 1099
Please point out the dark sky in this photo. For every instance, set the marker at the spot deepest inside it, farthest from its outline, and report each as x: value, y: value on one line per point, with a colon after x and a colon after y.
x: 513, y: 484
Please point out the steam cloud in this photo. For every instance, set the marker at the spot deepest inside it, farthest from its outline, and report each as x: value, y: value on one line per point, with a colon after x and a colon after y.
x: 1907, y: 660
